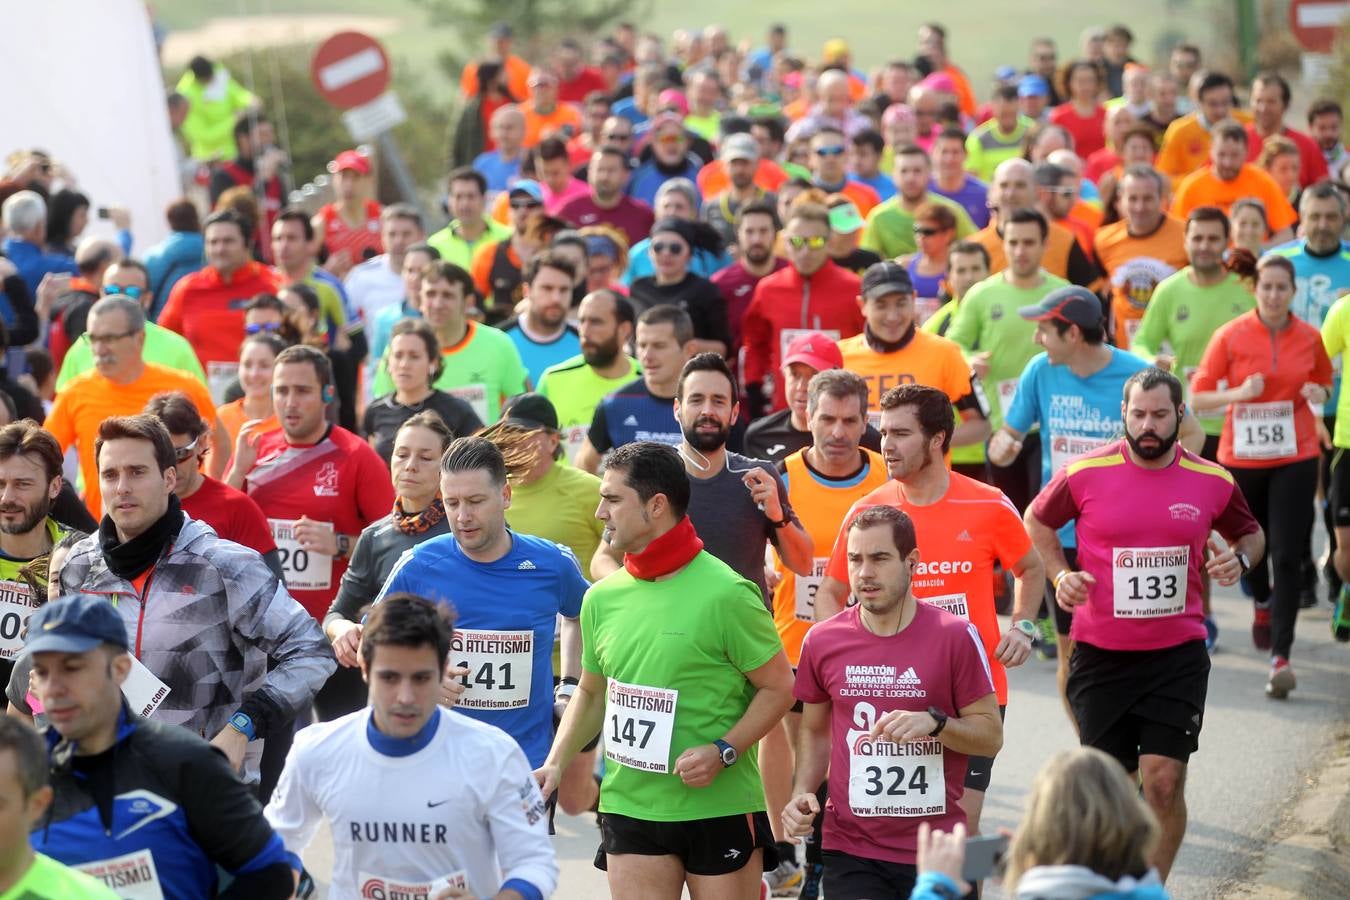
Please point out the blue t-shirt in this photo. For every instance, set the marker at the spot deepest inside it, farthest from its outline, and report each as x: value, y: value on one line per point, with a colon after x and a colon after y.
x: 631, y: 414
x: 539, y: 356
x: 971, y: 196
x: 1076, y: 415
x: 500, y: 173
x: 524, y: 591
x: 882, y: 184
x: 647, y: 179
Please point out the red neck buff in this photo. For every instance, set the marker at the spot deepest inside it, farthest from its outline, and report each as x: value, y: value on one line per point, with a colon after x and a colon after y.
x: 668, y: 553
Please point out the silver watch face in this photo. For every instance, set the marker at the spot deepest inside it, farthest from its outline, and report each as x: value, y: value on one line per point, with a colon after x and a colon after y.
x: 728, y: 756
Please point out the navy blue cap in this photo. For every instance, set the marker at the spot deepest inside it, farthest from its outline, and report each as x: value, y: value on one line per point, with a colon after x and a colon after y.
x: 1071, y: 304
x: 75, y: 623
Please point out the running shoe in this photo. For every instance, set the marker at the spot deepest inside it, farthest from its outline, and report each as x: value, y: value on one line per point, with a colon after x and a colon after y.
x: 1261, y: 628
x: 1282, y: 679
x: 784, y: 880
x: 1211, y: 634
x: 811, y: 882
x: 1046, y: 645
x: 1340, y: 619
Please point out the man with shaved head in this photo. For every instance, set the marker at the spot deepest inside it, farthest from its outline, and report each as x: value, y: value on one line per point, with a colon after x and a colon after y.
x: 1013, y: 188
x: 833, y: 109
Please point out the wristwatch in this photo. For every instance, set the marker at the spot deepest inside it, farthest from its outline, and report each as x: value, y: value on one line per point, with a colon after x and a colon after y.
x: 1244, y: 560
x: 1026, y: 627
x: 786, y: 521
x: 940, y: 717
x: 726, y: 752
x: 242, y: 723
x: 344, y: 543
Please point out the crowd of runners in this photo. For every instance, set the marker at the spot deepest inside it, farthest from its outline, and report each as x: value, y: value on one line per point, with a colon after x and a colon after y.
x: 751, y: 417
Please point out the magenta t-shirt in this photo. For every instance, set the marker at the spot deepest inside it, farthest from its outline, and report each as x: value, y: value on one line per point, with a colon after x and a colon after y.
x: 1142, y: 536
x: 881, y: 791
x: 554, y: 202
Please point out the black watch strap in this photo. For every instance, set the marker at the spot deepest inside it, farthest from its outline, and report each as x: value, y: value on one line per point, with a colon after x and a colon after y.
x: 940, y: 717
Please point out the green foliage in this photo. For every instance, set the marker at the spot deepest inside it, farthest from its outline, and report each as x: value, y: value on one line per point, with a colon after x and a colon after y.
x: 534, y: 22
x: 313, y: 130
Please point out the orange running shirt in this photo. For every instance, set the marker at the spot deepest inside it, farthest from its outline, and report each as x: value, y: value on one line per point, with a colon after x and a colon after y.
x: 1204, y: 188
x: 926, y: 359
x: 960, y: 538
x: 1136, y: 266
x: 820, y: 504
x: 89, y: 398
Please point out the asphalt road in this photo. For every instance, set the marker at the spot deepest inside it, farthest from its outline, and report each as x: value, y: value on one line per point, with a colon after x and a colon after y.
x: 1255, y: 755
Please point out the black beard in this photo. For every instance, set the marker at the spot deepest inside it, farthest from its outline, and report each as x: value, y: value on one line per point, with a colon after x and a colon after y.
x: 602, y: 355
x: 704, y: 442
x: 32, y: 518
x: 1151, y: 453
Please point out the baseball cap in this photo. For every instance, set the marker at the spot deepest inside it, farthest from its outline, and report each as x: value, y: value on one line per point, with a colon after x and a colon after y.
x: 886, y: 277
x: 76, y: 623
x: 530, y: 410
x: 814, y: 349
x: 529, y: 188
x: 671, y: 98
x: 834, y: 50
x: 1072, y: 304
x: 1033, y: 86
x: 350, y: 160
x: 738, y: 146
x: 845, y: 219
x: 1005, y: 73
x: 500, y: 30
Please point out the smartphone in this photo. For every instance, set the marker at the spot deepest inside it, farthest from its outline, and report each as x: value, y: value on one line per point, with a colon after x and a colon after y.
x: 984, y: 857
x: 104, y: 213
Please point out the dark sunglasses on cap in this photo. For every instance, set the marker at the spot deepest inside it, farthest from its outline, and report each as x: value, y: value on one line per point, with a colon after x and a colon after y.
x: 130, y: 290
x: 672, y: 247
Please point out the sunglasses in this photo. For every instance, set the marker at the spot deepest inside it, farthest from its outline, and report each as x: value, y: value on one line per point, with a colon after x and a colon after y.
x: 797, y: 242
x: 836, y: 150
x: 131, y: 290
x: 525, y: 204
x: 670, y: 139
x: 256, y: 327
x: 611, y: 136
x: 921, y: 231
x: 674, y: 248
x: 180, y: 454
x: 103, y: 339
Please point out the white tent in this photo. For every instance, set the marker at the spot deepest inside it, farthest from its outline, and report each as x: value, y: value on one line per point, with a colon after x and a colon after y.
x: 83, y: 82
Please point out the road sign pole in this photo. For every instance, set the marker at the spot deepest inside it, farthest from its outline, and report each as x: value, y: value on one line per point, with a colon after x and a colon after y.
x: 403, y: 179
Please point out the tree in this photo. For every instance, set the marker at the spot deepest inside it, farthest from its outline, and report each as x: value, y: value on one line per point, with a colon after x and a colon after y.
x: 534, y: 22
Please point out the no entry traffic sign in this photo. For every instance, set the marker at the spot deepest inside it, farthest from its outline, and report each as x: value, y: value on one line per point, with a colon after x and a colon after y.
x: 350, y: 69
x: 1317, y: 23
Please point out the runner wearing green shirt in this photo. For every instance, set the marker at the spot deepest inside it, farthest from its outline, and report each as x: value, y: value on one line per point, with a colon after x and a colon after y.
x: 481, y: 365
x: 471, y: 227
x: 168, y: 348
x: 967, y: 266
x: 890, y: 226
x: 1000, y: 343
x: 683, y: 671
x: 576, y: 386
x: 1188, y: 306
x: 1336, y: 341
x: 25, y: 795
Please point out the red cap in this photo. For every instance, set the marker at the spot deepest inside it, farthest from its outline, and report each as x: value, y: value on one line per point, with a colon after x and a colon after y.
x: 351, y: 159
x: 816, y: 350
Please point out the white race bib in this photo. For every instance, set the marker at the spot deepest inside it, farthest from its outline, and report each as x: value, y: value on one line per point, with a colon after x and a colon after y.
x: 306, y: 570
x: 500, y: 664
x: 131, y: 877
x: 805, y: 589
x: 889, y: 779
x: 952, y: 603
x: 219, y: 377
x: 639, y: 725
x: 143, y: 689
x: 16, y: 605
x: 1064, y: 447
x: 1007, y: 390
x: 1264, y: 430
x: 476, y: 396
x: 1149, y: 582
x: 788, y: 335
x: 377, y: 887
